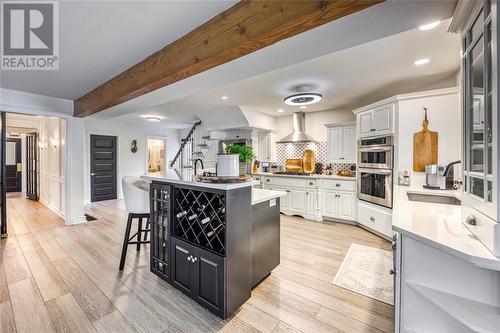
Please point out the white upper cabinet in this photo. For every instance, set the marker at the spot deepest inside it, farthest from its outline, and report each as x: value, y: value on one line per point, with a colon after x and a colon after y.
x: 365, y: 123
x: 267, y: 147
x: 349, y: 144
x: 341, y: 143
x: 481, y: 84
x: 376, y: 122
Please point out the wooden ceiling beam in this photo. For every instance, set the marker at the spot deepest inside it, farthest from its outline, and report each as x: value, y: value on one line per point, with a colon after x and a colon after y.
x: 246, y: 27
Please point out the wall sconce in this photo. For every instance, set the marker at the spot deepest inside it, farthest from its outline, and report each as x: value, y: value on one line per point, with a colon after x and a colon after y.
x: 133, y: 147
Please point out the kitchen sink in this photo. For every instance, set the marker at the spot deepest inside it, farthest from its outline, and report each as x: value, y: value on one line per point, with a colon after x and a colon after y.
x: 434, y: 198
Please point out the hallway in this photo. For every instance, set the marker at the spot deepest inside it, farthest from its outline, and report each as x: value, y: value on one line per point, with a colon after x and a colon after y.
x: 55, y: 278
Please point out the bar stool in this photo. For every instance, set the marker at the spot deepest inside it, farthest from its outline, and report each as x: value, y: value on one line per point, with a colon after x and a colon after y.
x: 136, y: 198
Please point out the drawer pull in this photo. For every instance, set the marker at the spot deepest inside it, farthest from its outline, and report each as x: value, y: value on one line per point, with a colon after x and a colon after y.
x: 373, y: 129
x: 392, y: 272
x: 338, y: 185
x: 372, y: 219
x: 471, y: 219
x: 311, y: 183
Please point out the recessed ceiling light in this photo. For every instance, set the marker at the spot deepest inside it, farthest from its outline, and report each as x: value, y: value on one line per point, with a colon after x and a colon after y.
x: 280, y: 110
x: 422, y: 61
x: 303, y: 107
x: 429, y: 26
x: 153, y: 118
x: 224, y: 97
x: 303, y: 99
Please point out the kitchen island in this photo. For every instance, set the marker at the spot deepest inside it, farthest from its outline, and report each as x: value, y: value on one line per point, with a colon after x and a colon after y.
x: 212, y: 241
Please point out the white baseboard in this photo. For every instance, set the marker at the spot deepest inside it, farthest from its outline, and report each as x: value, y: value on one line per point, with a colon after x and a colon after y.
x: 76, y: 220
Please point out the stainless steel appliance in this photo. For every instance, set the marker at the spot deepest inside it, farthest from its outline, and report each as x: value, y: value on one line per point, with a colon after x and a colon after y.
x: 376, y: 153
x: 439, y: 177
x: 375, y: 161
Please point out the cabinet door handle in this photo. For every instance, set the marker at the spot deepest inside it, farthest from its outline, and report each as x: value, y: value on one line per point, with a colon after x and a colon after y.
x: 392, y: 272
x: 372, y: 219
x: 195, y: 259
x: 189, y: 258
x: 338, y: 185
x: 373, y: 129
x: 311, y: 183
x: 307, y: 193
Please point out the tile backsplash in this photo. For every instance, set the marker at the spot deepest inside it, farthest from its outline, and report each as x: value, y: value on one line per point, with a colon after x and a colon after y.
x: 296, y: 150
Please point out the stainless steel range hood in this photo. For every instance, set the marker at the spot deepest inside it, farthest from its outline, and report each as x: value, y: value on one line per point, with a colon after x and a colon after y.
x: 299, y: 134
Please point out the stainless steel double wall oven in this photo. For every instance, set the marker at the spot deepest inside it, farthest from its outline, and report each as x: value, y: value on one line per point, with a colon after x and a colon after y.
x: 375, y: 170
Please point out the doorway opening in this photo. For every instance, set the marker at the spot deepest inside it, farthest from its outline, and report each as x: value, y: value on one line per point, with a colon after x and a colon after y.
x: 156, y: 155
x: 34, y: 160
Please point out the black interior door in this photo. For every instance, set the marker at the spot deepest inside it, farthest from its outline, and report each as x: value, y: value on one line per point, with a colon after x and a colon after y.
x: 102, y: 167
x: 3, y: 210
x: 13, y: 165
x: 31, y: 166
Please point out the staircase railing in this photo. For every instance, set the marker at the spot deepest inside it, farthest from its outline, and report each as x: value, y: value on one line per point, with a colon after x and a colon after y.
x: 186, y: 140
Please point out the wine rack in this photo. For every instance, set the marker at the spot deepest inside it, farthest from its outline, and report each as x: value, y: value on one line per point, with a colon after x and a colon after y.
x: 199, y: 217
x: 160, y: 229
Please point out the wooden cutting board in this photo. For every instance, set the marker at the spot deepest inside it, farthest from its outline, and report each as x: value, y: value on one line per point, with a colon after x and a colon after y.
x: 425, y: 146
x: 308, y: 161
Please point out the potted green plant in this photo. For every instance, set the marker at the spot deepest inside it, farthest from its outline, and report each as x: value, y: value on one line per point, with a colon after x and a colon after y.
x: 246, y: 156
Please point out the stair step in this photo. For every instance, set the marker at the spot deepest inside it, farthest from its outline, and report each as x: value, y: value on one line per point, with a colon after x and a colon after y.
x: 202, y: 145
x: 197, y: 153
x: 206, y: 137
x: 187, y: 166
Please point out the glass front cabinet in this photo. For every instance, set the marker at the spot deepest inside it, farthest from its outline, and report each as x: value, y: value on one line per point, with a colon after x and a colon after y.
x: 480, y: 108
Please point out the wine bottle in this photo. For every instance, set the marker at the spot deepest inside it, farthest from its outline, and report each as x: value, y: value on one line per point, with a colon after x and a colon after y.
x: 206, y: 220
x: 192, y: 217
x: 201, y: 208
x: 181, y: 214
x: 211, y: 233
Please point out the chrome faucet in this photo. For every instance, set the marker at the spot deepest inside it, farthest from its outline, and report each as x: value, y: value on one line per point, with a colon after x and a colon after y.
x: 196, y: 163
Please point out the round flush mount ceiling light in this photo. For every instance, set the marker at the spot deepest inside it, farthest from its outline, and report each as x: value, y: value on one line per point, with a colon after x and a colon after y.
x: 429, y: 26
x: 153, y: 118
x: 224, y: 97
x: 421, y: 61
x: 303, y: 99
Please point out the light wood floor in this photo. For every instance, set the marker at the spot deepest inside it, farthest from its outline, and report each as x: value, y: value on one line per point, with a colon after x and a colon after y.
x: 66, y: 279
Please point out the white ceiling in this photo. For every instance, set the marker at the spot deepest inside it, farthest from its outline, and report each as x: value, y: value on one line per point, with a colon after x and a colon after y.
x: 347, y: 79
x: 100, y: 39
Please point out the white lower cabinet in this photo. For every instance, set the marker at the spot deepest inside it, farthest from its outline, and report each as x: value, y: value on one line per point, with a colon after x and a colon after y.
x: 339, y: 204
x: 376, y: 218
x: 314, y: 198
x: 297, y: 201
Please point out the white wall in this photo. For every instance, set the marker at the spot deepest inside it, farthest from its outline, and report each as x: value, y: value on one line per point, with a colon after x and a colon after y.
x: 315, y: 123
x: 128, y: 163
x: 444, y: 118
x: 51, y: 158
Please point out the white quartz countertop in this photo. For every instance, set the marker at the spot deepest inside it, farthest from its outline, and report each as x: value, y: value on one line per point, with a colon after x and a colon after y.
x: 439, y: 225
x: 313, y: 176
x: 188, y: 179
x: 260, y: 195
